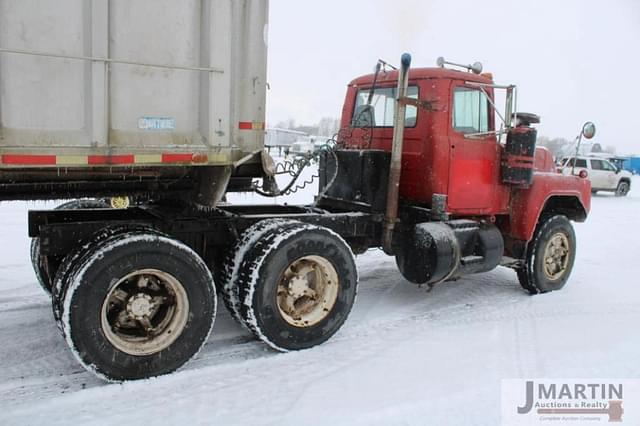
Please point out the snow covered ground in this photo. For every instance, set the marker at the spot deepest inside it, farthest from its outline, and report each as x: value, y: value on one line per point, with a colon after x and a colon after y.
x: 405, y: 356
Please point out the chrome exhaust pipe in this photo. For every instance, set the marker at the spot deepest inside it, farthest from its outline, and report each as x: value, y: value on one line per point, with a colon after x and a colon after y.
x: 395, y: 169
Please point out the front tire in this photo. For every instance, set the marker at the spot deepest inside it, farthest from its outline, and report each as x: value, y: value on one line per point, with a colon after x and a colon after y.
x: 623, y: 189
x: 137, y: 307
x: 550, y: 256
x: 297, y: 286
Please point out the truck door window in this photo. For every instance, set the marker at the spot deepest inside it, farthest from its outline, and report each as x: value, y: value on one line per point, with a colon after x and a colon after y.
x: 470, y: 111
x: 383, y: 103
x: 581, y: 163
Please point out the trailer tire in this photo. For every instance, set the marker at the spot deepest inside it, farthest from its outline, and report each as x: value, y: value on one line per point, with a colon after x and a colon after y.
x: 550, y: 256
x: 40, y: 267
x: 138, y: 307
x: 229, y: 272
x: 76, y: 257
x: 297, y: 285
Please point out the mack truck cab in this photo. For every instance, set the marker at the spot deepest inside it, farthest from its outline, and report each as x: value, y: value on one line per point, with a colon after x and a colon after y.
x: 467, y: 165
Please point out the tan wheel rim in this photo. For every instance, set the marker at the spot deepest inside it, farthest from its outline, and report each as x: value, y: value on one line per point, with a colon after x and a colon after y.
x: 307, y: 291
x: 145, y: 312
x: 119, y: 202
x: 556, y: 256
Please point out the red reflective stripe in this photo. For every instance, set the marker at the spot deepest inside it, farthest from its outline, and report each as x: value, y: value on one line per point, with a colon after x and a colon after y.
x: 249, y: 125
x: 100, y: 159
x: 111, y: 159
x: 177, y: 158
x: 29, y: 159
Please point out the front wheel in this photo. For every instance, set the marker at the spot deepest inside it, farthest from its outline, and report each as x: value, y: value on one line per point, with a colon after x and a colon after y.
x: 550, y: 256
x: 623, y: 189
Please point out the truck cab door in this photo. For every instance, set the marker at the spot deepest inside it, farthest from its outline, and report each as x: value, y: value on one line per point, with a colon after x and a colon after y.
x: 474, y: 158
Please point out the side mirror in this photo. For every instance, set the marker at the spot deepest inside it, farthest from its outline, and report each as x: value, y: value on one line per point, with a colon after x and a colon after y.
x: 588, y: 130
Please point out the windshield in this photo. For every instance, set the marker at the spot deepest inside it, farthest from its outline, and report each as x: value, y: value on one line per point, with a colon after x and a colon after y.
x: 383, y: 105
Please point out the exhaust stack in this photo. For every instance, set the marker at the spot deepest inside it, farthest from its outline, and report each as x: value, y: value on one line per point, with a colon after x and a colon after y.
x: 395, y: 170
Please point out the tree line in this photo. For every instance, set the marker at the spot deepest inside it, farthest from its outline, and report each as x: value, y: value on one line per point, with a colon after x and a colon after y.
x: 327, y: 126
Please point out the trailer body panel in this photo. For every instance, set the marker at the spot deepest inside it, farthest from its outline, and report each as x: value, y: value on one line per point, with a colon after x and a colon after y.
x: 119, y: 84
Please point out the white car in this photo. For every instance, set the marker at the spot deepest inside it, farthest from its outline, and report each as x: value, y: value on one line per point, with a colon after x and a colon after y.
x: 603, y: 175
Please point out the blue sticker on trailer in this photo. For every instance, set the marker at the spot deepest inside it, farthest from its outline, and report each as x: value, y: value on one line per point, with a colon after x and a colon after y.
x: 156, y: 123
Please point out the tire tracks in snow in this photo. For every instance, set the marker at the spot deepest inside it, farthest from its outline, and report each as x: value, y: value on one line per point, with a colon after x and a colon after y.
x: 388, y: 309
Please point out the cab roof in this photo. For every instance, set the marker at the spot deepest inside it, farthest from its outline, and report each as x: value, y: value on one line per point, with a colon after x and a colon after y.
x: 424, y: 73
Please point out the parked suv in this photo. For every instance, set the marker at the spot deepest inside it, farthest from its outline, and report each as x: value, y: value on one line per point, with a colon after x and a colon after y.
x: 603, y: 175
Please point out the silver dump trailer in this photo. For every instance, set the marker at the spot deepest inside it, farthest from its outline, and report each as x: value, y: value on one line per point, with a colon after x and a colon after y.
x: 163, y: 100
x: 120, y: 97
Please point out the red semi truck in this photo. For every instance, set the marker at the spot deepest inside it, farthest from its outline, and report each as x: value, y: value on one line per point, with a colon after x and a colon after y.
x: 418, y: 169
x: 425, y: 166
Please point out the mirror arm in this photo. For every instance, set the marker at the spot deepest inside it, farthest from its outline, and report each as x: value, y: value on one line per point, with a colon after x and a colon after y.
x: 484, y: 134
x: 424, y: 104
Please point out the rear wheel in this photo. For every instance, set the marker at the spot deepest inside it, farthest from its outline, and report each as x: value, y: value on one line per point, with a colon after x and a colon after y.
x: 79, y: 254
x: 41, y: 267
x: 137, y: 307
x: 623, y: 189
x: 297, y: 285
x: 234, y: 258
x: 550, y: 256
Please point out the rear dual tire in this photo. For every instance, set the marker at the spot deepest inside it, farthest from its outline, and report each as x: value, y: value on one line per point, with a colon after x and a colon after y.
x: 294, y: 285
x: 234, y: 259
x: 136, y: 305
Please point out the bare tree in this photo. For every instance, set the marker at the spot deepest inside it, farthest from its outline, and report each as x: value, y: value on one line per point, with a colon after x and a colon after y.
x: 287, y: 124
x: 557, y: 146
x: 328, y: 126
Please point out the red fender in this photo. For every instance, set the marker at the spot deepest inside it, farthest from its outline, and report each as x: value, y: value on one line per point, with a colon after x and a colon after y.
x: 569, y: 195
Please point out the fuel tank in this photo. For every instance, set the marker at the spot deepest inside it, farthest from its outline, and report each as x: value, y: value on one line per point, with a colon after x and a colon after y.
x: 432, y: 252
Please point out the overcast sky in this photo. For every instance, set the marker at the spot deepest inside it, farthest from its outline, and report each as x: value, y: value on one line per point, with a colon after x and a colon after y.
x: 572, y: 60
